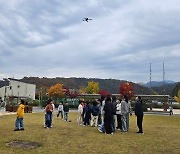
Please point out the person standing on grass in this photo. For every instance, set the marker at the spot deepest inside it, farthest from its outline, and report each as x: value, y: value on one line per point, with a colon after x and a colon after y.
x: 101, y: 128
x: 19, y: 124
x: 83, y: 105
x: 118, y: 114
x: 170, y: 110
x: 114, y: 112
x: 45, y: 116
x: 99, y: 116
x: 125, y: 110
x: 52, y: 103
x: 108, y: 116
x: 60, y: 110
x: 95, y: 112
x: 66, y: 111
x: 49, y: 110
x: 80, y: 112
x: 87, y: 116
x: 139, y: 113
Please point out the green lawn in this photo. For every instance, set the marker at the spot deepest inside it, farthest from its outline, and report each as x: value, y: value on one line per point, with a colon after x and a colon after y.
x: 162, y: 135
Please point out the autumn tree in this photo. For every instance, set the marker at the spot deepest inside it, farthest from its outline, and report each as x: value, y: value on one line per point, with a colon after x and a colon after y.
x: 82, y: 90
x: 56, y: 91
x: 70, y: 92
x: 126, y: 89
x: 92, y: 88
x: 176, y: 89
x: 104, y: 93
x: 177, y: 98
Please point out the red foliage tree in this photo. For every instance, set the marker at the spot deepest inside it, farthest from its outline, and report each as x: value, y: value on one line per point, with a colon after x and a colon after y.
x: 104, y: 93
x: 70, y: 93
x: 126, y: 89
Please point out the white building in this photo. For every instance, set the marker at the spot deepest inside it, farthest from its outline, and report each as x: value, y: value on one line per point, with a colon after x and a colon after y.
x: 16, y: 89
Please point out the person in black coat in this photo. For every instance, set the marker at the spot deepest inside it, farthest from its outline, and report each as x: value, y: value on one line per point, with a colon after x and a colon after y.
x: 87, y: 114
x: 139, y: 113
x: 108, y: 115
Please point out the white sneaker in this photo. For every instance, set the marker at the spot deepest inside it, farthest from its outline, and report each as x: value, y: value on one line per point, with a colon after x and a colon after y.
x: 100, y: 131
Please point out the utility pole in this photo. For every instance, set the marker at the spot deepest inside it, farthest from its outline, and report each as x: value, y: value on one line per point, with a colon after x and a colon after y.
x: 165, y: 105
x: 150, y: 87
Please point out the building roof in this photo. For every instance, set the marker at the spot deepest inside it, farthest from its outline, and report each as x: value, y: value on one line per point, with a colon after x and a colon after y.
x: 3, y: 83
x: 19, y: 81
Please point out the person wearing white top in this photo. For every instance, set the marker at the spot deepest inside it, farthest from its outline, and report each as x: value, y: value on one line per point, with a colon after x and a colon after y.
x: 60, y: 110
x: 52, y: 112
x: 118, y: 113
x: 170, y: 110
x: 80, y: 111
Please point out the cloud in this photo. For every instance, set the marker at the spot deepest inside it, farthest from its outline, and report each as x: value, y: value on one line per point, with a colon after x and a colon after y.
x: 49, y: 38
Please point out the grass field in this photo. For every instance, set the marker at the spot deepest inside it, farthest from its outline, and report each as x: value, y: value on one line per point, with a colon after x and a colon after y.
x: 162, y: 135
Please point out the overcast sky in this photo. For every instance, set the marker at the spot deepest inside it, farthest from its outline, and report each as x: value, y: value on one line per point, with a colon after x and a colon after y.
x: 47, y: 38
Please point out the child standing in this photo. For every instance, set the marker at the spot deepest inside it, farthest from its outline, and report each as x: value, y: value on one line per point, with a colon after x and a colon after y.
x: 19, y: 124
x: 66, y: 111
x: 60, y: 110
x: 80, y: 111
x: 118, y: 114
x: 49, y: 110
x: 170, y: 110
x: 87, y: 114
x: 95, y: 112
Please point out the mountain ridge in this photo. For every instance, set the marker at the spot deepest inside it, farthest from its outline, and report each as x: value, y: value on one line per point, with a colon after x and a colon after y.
x: 158, y: 83
x: 110, y: 85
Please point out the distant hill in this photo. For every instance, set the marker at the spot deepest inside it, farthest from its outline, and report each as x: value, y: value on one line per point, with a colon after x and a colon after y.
x: 168, y: 89
x: 111, y: 85
x: 159, y: 83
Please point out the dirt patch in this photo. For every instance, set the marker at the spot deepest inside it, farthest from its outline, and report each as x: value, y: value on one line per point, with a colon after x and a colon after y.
x: 24, y: 144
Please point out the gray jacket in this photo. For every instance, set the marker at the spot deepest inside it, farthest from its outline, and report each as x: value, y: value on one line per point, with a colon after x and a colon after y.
x: 125, y: 107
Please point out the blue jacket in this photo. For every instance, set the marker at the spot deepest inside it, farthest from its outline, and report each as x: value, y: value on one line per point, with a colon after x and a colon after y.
x: 138, y: 108
x: 95, y: 110
x: 88, y: 109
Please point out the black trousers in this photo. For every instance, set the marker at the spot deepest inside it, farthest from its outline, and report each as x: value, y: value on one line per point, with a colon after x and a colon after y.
x: 108, y: 127
x: 108, y: 124
x: 139, y: 122
x: 87, y: 119
x: 60, y: 112
x: 119, y: 123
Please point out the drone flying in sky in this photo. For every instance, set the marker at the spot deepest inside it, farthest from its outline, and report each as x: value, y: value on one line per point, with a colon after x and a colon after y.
x: 86, y: 19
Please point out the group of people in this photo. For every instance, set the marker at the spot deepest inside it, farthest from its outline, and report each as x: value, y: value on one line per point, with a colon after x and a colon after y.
x: 107, y: 113
x: 110, y: 114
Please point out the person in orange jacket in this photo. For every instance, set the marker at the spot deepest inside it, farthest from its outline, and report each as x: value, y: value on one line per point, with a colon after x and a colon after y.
x: 19, y: 124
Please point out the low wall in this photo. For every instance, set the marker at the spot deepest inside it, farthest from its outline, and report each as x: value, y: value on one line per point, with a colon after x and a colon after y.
x: 11, y: 108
